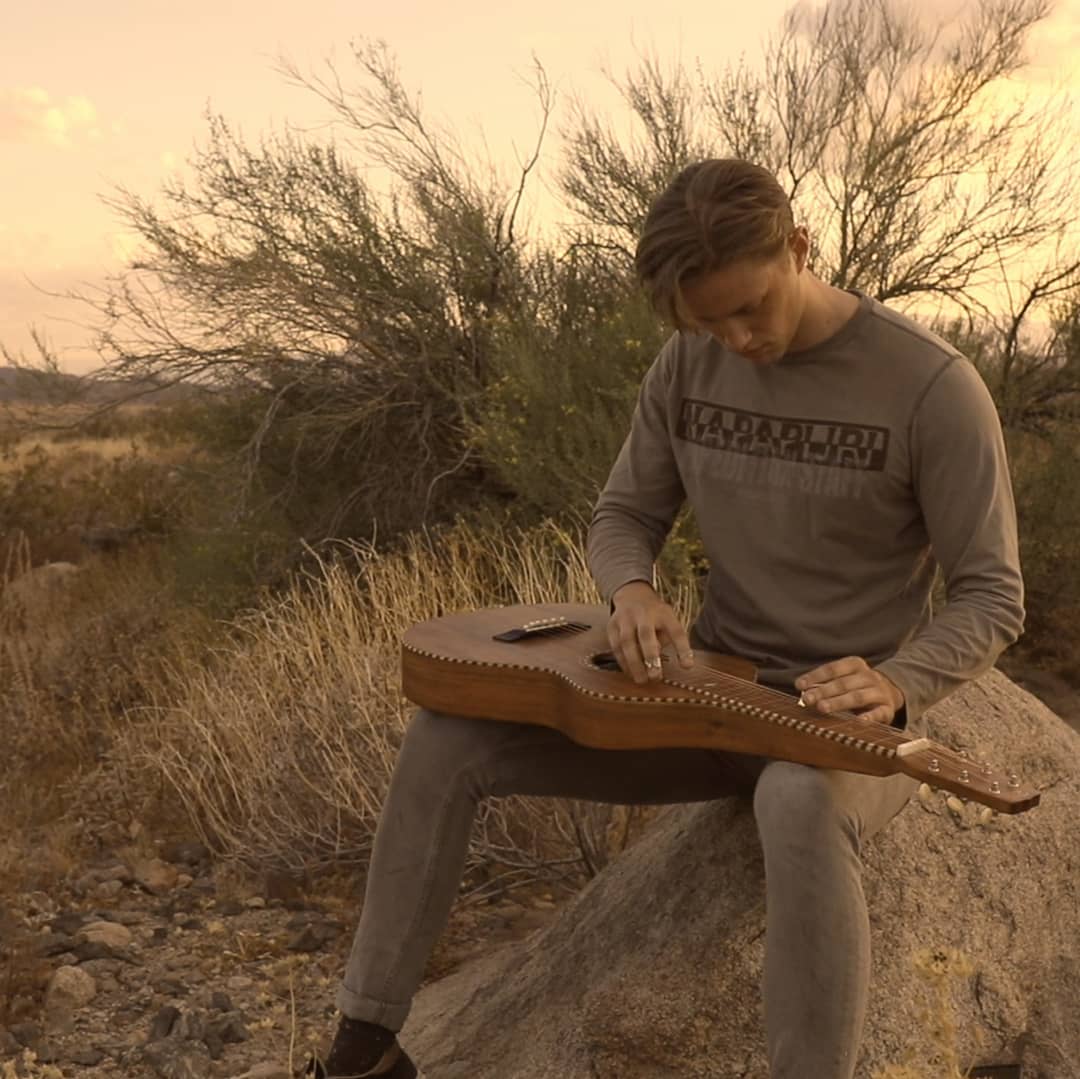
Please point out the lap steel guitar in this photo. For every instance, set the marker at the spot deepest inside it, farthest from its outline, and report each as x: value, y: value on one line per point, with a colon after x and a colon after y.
x: 551, y: 664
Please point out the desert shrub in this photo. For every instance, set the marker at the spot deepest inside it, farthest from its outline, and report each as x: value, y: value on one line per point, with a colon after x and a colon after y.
x: 54, y: 497
x: 1048, y: 513
x: 565, y: 379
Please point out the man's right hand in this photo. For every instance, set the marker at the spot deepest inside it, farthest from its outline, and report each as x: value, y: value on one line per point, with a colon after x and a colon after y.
x: 642, y: 623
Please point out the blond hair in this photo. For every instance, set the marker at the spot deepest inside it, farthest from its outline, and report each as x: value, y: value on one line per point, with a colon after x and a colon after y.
x: 714, y: 213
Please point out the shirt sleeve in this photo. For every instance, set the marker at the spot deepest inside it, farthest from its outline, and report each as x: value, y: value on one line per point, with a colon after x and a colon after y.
x: 961, y: 479
x: 644, y: 492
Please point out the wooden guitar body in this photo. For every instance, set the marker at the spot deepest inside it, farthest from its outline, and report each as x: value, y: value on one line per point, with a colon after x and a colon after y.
x: 550, y: 664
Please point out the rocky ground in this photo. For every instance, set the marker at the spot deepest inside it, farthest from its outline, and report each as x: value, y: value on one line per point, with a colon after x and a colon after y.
x: 163, y: 967
x: 147, y: 969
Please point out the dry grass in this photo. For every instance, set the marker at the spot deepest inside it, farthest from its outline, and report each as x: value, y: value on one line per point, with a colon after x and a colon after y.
x: 943, y: 972
x: 81, y: 454
x: 272, y: 736
x: 281, y: 747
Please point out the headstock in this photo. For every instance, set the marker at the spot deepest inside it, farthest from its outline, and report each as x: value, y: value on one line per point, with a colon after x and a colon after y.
x: 976, y: 780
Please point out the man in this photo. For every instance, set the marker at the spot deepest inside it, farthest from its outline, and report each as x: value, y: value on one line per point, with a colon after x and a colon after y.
x: 835, y: 453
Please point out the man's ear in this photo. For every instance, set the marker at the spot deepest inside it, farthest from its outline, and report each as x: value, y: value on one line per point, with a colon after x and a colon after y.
x: 799, y: 244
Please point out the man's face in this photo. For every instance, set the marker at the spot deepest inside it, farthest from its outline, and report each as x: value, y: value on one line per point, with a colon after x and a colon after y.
x: 752, y: 307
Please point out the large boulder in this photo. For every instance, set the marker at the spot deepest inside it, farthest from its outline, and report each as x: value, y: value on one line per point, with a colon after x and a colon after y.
x: 652, y: 971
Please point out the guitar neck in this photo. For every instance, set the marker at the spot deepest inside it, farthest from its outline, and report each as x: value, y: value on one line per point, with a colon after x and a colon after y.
x: 753, y: 700
x: 921, y: 758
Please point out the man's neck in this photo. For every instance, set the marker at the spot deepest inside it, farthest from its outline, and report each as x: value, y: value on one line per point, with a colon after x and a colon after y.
x: 825, y: 310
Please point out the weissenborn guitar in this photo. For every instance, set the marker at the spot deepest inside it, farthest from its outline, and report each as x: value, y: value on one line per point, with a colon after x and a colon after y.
x: 550, y: 664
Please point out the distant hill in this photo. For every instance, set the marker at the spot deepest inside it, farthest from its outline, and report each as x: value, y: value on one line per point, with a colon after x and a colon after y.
x: 42, y: 387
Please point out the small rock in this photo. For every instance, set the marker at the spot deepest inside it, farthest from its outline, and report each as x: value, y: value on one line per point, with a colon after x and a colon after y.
x: 124, y: 917
x: 98, y: 967
x: 116, y: 872
x: 89, y: 949
x: 184, y: 880
x: 238, y: 982
x: 47, y: 1053
x: 109, y: 889
x: 69, y: 989
x: 229, y: 1029
x: 266, y: 1071
x: 70, y: 922
x: 40, y: 903
x: 26, y: 1034
x: 191, y: 1026
x: 183, y: 1060
x: 255, y: 902
x: 88, y: 1058
x: 70, y: 986
x: 155, y: 876
x: 229, y: 907
x: 308, y: 939
x: 163, y: 1023
x: 220, y: 1001
x: 53, y: 943
x: 185, y: 852
x: 84, y: 884
x: 111, y: 934
x: 284, y: 886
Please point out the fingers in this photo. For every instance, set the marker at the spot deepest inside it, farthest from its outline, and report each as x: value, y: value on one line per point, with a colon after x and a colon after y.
x: 634, y: 654
x: 828, y: 672
x: 882, y: 714
x: 848, y: 685
x: 649, y: 647
x: 636, y: 634
x: 675, y: 635
x: 854, y: 700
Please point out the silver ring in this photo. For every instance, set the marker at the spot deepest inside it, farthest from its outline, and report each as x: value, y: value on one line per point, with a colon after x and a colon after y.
x: 653, y: 664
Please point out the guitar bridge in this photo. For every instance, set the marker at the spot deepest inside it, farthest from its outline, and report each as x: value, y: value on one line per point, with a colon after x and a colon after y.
x: 541, y: 627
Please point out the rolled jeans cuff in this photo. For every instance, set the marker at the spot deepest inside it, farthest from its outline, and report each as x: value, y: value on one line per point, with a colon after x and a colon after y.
x: 357, y: 1006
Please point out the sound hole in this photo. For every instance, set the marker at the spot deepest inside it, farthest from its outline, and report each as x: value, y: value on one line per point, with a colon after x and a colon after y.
x: 606, y: 661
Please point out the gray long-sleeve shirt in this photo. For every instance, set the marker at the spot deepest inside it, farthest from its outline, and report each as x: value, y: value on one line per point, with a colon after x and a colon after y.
x: 827, y: 487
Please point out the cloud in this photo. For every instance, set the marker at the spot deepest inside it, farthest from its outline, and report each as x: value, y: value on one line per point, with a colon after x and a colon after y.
x: 30, y: 114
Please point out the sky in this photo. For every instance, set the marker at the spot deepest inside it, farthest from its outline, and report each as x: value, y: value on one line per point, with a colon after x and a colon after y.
x: 94, y: 97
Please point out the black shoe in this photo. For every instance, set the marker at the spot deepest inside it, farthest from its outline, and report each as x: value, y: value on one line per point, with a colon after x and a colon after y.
x: 403, y: 1068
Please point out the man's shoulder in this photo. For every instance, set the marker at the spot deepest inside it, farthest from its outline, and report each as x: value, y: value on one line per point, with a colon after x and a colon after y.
x: 909, y: 337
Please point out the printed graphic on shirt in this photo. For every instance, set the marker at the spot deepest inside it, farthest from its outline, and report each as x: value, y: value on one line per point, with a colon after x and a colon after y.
x: 833, y: 444
x: 816, y: 457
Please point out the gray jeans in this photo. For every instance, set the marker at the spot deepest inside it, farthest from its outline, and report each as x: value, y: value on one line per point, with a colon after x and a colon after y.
x: 811, y: 823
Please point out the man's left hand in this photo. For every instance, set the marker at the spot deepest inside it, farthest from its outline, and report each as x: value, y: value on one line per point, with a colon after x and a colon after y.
x: 851, y: 685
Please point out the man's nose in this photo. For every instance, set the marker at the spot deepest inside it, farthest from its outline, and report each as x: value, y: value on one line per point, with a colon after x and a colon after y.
x: 736, y: 337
